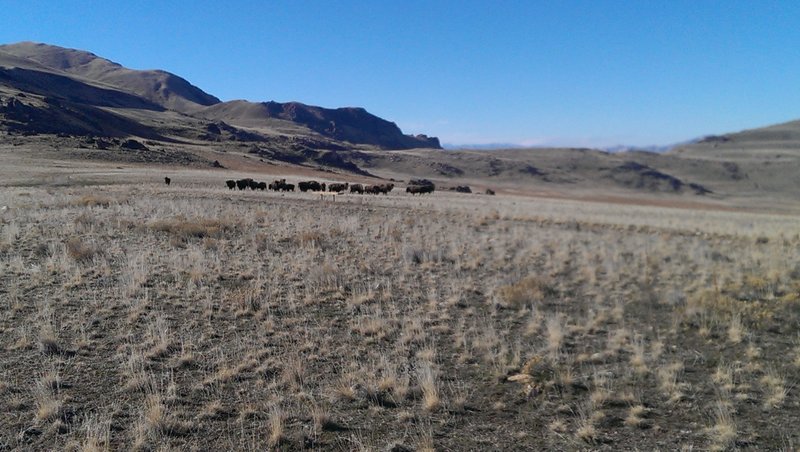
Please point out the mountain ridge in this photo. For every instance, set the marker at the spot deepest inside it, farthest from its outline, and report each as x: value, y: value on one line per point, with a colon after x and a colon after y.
x: 43, y: 67
x: 162, y: 87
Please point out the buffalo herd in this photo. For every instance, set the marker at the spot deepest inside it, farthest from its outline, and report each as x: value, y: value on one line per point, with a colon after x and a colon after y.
x: 312, y: 185
x: 242, y: 184
x: 415, y: 187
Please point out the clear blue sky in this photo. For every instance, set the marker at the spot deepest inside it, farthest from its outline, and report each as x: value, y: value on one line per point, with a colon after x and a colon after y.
x: 575, y: 73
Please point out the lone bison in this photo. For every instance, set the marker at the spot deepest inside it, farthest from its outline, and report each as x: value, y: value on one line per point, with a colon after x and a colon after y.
x: 167, y: 180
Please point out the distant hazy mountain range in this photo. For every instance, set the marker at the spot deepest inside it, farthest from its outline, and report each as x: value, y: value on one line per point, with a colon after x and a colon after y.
x: 612, y: 149
x: 483, y: 146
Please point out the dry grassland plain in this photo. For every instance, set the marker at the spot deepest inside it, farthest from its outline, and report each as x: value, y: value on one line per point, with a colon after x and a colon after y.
x: 139, y: 316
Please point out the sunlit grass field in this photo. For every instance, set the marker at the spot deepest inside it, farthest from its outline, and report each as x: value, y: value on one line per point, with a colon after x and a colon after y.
x: 140, y: 316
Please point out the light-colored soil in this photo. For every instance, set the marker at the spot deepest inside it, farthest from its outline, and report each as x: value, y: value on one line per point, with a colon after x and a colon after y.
x: 136, y: 315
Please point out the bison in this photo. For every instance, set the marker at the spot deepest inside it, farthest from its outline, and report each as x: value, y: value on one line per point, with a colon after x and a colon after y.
x: 281, y: 185
x: 338, y: 188
x: 262, y: 186
x: 167, y: 180
x: 277, y: 184
x: 490, y: 192
x: 311, y: 185
x: 231, y: 184
x: 357, y: 188
x: 378, y: 189
x: 420, y: 189
x: 252, y: 184
x: 241, y: 184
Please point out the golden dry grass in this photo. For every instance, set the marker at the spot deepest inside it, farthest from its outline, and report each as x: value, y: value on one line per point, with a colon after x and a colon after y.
x: 198, y: 318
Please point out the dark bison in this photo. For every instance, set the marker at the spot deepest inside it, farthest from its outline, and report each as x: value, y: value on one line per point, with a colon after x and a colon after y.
x: 420, y: 189
x: 241, y: 184
x: 338, y: 188
x: 252, y: 184
x: 311, y: 185
x: 357, y: 188
x: 276, y: 184
x: 281, y: 185
x: 231, y: 184
x: 262, y: 186
x: 463, y: 189
x: 167, y: 180
x: 378, y: 189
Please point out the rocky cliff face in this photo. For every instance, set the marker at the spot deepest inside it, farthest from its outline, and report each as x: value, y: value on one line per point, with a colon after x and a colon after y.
x: 355, y: 125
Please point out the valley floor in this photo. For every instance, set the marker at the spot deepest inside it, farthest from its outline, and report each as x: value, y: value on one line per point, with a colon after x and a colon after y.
x: 136, y: 315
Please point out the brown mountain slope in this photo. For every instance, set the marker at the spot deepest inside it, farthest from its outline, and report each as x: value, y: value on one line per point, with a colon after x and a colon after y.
x: 157, y: 86
x: 62, y: 73
x: 761, y: 160
x: 64, y: 87
x: 49, y: 115
x: 778, y: 137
